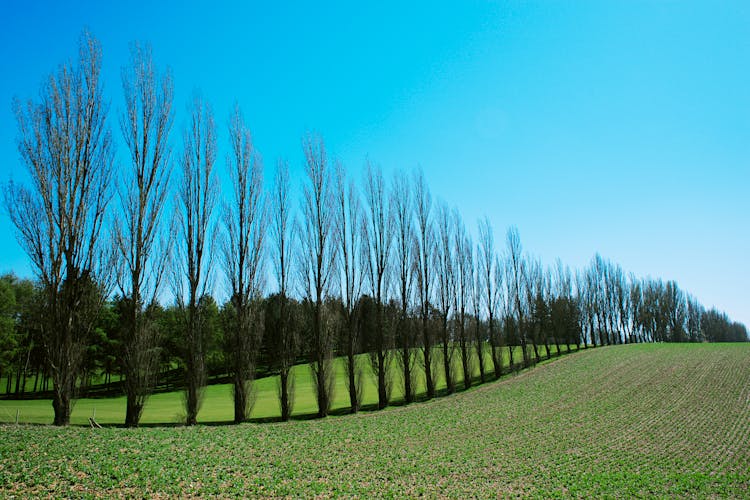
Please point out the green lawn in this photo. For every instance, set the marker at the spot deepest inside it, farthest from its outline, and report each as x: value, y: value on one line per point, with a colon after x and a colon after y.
x: 614, y: 422
x: 167, y: 408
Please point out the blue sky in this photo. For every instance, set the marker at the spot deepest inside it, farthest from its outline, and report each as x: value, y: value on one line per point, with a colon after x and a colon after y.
x: 606, y: 126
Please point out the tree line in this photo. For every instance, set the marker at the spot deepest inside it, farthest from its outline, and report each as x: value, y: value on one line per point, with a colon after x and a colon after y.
x: 375, y: 267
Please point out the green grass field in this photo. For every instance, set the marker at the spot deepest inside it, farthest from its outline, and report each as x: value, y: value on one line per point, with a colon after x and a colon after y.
x: 167, y: 408
x: 626, y: 421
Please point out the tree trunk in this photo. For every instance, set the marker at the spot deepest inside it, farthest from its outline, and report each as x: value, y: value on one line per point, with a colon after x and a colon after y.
x: 195, y: 373
x: 322, y: 391
x: 480, y: 360
x: 524, y: 351
x: 382, y: 356
x: 496, y: 351
x: 192, y: 404
x: 449, y: 383
x: 192, y: 397
x: 61, y: 404
x: 406, y: 357
x: 240, y: 398
x: 510, y: 357
x: 133, y: 411
x: 465, y: 363
x: 382, y: 389
x: 19, y: 379
x: 480, y: 351
x: 284, y: 389
x: 536, y: 350
x: 497, y: 360
x: 427, y: 353
x: 321, y: 368
x: 353, y: 396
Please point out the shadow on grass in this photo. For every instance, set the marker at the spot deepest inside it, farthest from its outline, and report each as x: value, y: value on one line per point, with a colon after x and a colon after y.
x: 338, y: 412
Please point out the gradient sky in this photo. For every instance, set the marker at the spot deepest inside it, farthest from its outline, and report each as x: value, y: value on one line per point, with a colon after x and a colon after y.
x: 618, y: 127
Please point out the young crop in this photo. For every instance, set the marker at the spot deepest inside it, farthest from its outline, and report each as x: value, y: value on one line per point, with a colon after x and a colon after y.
x: 626, y: 421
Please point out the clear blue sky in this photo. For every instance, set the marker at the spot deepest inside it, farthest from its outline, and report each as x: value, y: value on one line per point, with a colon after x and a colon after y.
x: 619, y: 127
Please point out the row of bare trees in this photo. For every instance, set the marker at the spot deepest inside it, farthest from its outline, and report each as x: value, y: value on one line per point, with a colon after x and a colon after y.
x: 620, y: 309
x: 377, y: 268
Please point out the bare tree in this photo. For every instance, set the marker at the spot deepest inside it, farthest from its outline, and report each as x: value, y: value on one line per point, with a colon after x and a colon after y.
x: 476, y: 311
x: 284, y: 338
x: 623, y: 305
x: 317, y: 261
x: 142, y: 239
x: 423, y: 257
x: 610, y: 302
x: 594, y: 304
x: 636, y: 302
x: 695, y: 312
x: 244, y: 226
x: 656, y: 305
x: 586, y: 299
x: 378, y: 238
x: 464, y: 272
x: 561, y: 308
x: 544, y: 313
x: 509, y: 325
x: 516, y: 276
x: 490, y: 272
x: 66, y: 147
x: 501, y: 304
x: 600, y: 287
x: 401, y: 206
x: 349, y: 232
x: 446, y: 280
x: 674, y: 312
x: 533, y: 296
x: 197, y: 197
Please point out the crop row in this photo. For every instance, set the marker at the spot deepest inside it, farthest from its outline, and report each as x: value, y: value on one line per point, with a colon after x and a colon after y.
x: 630, y: 421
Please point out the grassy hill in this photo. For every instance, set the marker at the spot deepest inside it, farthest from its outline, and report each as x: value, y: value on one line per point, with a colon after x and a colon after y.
x: 168, y: 408
x: 636, y: 420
